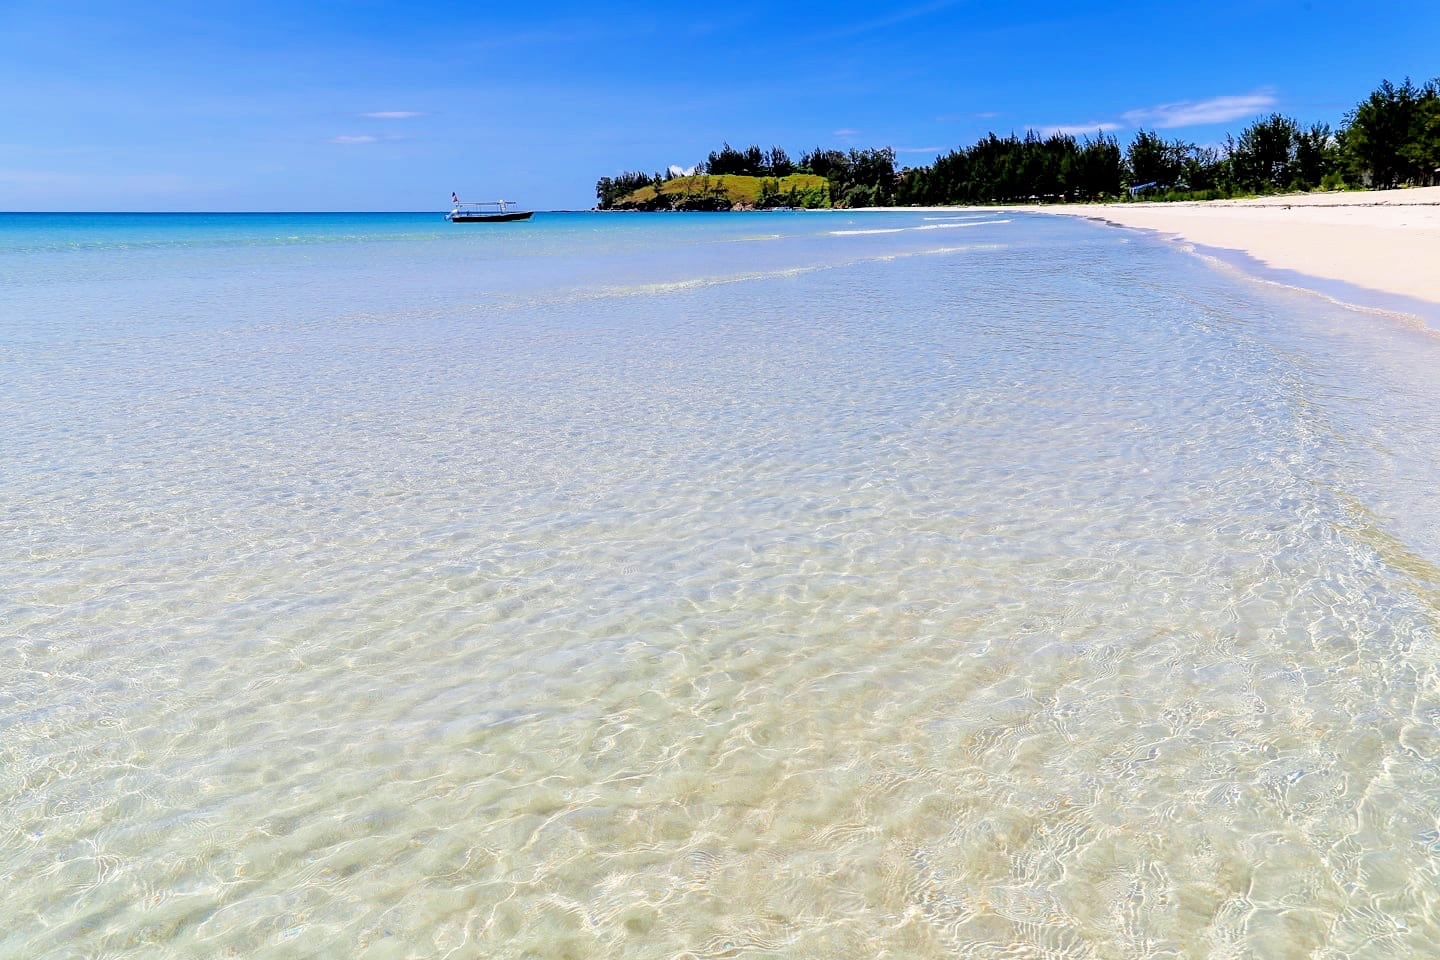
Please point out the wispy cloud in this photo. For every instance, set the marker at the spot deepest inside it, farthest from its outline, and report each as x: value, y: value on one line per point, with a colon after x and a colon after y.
x: 1077, y: 129
x: 1193, y: 113
x: 1164, y: 116
x: 845, y: 133
x: 889, y: 20
x: 393, y: 114
x: 360, y: 138
x: 680, y: 171
x: 918, y: 149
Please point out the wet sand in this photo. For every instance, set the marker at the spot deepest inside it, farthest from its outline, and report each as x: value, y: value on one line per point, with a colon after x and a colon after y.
x: 1384, y: 241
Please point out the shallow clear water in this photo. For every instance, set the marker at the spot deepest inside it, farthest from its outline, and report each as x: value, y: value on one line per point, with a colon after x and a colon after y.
x: 786, y: 585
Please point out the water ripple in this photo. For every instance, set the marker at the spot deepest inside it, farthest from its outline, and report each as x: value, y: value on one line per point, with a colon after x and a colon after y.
x: 1059, y: 599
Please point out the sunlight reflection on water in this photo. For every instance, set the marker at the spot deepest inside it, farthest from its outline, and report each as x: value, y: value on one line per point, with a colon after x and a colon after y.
x: 830, y: 596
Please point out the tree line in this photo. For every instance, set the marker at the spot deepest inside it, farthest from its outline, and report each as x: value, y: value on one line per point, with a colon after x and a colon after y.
x: 1389, y: 139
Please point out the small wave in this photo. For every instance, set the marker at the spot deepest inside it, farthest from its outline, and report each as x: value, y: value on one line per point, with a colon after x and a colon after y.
x: 671, y: 286
x: 952, y: 226
x: 693, y: 283
x: 967, y: 248
x: 928, y: 226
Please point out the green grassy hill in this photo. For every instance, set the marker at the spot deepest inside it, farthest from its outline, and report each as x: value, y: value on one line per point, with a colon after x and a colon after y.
x: 703, y: 192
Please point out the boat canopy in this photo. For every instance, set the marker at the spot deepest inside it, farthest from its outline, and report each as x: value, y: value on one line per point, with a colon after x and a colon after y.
x: 481, y: 206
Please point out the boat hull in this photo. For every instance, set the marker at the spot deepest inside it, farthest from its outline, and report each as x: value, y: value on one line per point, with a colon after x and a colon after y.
x: 489, y: 217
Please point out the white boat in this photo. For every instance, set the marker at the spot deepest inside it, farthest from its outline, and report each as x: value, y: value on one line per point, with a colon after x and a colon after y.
x: 485, y: 211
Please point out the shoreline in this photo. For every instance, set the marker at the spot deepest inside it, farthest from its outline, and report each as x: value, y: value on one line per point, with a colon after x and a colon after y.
x: 1373, y: 249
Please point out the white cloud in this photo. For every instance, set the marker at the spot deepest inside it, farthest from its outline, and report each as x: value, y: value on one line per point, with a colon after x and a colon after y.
x: 680, y: 171
x: 1077, y: 129
x: 932, y: 150
x: 845, y: 133
x: 1191, y: 113
x: 362, y: 138
x: 393, y: 114
x: 1182, y: 113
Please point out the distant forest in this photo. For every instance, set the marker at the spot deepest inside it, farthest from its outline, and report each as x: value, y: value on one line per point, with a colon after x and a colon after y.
x: 1391, y: 138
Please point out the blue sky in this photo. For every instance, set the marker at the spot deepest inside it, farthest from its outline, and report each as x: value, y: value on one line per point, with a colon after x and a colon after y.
x: 384, y: 105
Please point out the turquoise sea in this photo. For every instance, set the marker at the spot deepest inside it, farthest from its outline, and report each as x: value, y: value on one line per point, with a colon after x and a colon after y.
x: 802, y: 585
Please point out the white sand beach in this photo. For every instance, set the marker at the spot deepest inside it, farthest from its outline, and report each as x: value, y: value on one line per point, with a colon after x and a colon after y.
x: 1387, y: 241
